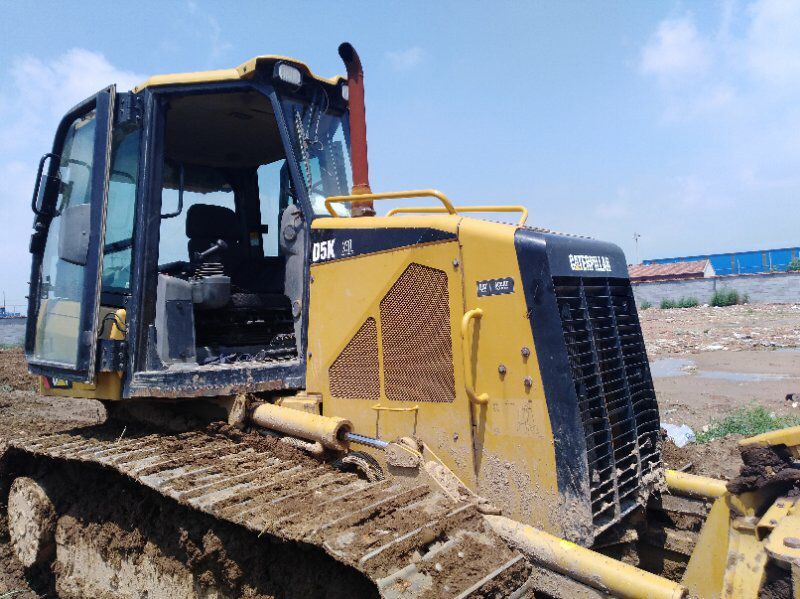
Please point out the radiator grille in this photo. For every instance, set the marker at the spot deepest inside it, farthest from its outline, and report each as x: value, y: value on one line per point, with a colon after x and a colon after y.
x: 416, y: 334
x: 354, y: 374
x: 615, y: 391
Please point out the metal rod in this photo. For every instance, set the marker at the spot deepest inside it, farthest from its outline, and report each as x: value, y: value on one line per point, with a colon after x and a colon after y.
x: 594, y: 569
x: 683, y: 482
x: 362, y: 440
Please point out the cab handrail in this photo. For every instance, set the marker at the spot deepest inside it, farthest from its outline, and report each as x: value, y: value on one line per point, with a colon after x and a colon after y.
x: 466, y: 339
x: 391, y: 195
x: 434, y: 209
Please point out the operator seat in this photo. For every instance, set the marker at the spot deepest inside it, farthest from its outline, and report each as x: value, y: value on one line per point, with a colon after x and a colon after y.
x: 205, y: 225
x: 250, y: 318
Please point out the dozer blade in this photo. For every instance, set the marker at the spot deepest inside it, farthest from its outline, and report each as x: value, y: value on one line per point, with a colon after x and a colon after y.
x: 408, y: 539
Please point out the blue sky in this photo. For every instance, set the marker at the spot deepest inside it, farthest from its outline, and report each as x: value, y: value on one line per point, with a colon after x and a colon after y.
x: 676, y: 120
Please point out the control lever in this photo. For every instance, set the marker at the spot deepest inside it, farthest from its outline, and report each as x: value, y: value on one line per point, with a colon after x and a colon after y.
x: 217, y: 246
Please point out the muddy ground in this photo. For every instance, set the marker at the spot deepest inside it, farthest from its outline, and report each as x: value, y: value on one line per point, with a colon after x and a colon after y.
x: 705, y: 362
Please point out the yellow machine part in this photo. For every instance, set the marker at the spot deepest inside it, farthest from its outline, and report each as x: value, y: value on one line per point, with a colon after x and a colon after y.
x: 735, y: 545
x: 107, y: 385
x: 503, y: 450
x: 594, y: 569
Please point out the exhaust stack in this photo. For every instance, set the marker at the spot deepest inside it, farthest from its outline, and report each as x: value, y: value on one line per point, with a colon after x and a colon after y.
x: 358, y: 129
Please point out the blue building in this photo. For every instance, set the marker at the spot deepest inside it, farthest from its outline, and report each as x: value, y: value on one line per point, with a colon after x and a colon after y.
x: 734, y: 263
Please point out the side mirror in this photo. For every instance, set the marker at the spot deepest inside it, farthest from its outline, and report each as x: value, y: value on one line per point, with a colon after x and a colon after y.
x: 73, y: 235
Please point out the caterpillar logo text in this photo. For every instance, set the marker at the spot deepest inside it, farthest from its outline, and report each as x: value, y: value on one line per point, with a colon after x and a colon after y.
x: 581, y: 262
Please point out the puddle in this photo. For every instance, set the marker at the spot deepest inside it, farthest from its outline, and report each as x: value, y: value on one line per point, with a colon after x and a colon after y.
x: 675, y: 367
x: 788, y: 350
x: 739, y: 377
x: 12, y: 331
x: 669, y: 367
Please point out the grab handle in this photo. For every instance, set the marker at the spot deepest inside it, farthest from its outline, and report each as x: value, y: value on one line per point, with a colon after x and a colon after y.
x: 391, y: 195
x: 466, y: 338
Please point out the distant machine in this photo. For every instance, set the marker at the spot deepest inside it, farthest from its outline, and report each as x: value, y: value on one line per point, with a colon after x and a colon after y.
x: 735, y: 263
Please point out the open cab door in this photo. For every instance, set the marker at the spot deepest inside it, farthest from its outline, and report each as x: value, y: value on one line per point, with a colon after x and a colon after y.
x: 70, y: 203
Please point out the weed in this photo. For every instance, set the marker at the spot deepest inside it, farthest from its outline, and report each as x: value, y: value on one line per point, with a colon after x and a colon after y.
x: 748, y: 421
x: 794, y: 265
x: 684, y: 302
x: 727, y: 297
x: 645, y: 305
x: 668, y: 304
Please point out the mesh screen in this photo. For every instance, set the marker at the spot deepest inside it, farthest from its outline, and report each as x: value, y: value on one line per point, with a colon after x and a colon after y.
x: 614, y: 388
x: 354, y: 373
x: 417, y: 337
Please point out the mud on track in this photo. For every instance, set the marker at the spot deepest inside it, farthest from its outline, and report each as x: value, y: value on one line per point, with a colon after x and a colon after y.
x: 120, y: 521
x: 119, y: 515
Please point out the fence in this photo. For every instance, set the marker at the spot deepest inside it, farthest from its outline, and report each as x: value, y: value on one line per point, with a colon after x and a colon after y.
x: 768, y: 288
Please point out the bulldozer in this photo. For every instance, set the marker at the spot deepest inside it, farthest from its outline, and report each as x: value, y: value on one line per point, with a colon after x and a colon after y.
x: 305, y: 398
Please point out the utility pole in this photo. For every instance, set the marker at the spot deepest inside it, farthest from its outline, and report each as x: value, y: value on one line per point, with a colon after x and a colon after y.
x: 636, y: 237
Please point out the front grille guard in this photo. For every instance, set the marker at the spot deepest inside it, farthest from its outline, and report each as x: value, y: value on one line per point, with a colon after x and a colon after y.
x: 615, y: 392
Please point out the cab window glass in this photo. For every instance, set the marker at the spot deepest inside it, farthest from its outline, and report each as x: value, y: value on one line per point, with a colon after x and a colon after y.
x: 62, y: 281
x: 121, y: 211
x: 201, y: 185
x: 273, y: 196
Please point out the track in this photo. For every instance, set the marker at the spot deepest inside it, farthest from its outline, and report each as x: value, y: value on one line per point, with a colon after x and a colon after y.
x: 407, y: 539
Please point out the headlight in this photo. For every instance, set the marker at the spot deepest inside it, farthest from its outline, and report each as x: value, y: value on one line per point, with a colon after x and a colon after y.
x: 289, y: 74
x: 345, y: 93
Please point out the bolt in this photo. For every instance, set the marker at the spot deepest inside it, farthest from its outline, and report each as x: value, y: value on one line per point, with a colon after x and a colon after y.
x: 792, y: 542
x: 773, y: 521
x: 528, y: 382
x: 455, y: 263
x: 526, y: 351
x: 501, y: 369
x: 309, y: 354
x: 311, y: 279
x: 455, y: 436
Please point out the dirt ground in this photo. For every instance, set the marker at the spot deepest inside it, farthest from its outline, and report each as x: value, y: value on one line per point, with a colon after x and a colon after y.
x: 705, y: 361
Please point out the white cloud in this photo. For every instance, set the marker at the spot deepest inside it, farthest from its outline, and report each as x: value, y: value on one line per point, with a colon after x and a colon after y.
x: 676, y: 50
x: 773, y: 41
x: 213, y: 33
x: 403, y: 60
x: 34, y: 96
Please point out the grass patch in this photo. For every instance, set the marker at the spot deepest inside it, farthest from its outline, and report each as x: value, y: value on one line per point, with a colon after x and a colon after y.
x: 668, y: 304
x: 749, y: 421
x: 794, y: 265
x: 645, y: 305
x: 728, y: 297
x: 684, y: 302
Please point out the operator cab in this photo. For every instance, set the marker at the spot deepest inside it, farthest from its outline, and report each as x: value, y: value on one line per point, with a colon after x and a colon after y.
x: 224, y: 293
x: 186, y: 203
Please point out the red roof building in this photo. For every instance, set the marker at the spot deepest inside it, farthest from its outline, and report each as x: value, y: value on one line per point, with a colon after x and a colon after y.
x: 698, y: 269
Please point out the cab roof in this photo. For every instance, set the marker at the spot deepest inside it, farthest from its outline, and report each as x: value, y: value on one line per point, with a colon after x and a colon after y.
x: 243, y: 72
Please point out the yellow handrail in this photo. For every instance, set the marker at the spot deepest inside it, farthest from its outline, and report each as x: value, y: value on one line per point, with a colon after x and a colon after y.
x: 433, y: 209
x: 474, y: 314
x: 391, y: 195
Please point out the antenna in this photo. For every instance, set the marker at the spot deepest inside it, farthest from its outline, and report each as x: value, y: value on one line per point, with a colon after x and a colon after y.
x: 636, y: 237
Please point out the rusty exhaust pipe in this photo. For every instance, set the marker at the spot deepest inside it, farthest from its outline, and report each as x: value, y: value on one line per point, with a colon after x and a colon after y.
x: 358, y: 129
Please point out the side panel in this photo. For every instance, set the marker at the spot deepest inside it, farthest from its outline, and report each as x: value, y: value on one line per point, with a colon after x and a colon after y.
x: 514, y: 445
x: 356, y: 322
